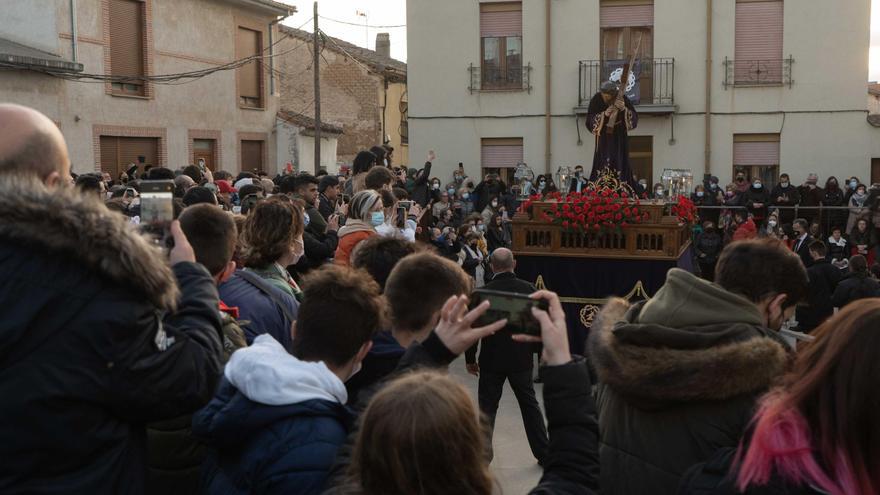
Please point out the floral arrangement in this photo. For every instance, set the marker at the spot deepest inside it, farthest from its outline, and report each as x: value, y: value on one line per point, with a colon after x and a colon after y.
x: 685, y: 210
x: 592, y: 210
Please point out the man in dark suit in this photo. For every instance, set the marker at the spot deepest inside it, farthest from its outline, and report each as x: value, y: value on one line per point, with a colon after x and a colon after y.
x: 503, y: 359
x: 578, y: 181
x: 802, y: 241
x: 824, y: 278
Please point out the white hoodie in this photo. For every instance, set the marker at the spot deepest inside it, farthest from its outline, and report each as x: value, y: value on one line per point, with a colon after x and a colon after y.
x: 266, y: 373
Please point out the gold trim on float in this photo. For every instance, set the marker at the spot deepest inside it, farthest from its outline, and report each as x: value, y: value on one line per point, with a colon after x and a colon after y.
x: 593, y: 305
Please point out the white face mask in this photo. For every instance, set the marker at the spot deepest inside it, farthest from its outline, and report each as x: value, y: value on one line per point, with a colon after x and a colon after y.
x: 700, y: 194
x: 465, y: 195
x: 853, y: 184
x: 772, y: 223
x: 783, y: 184
x: 436, y: 186
x: 658, y: 191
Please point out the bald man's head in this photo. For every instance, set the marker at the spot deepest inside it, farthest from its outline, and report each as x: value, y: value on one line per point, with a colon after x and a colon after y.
x: 502, y: 260
x: 31, y: 144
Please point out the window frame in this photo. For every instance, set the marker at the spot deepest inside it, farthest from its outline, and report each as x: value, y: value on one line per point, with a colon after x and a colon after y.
x: 145, y: 89
x: 242, y: 101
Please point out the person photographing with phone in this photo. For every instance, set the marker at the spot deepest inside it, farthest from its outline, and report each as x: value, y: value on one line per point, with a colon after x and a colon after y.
x: 113, y: 334
x: 502, y: 359
x: 422, y: 428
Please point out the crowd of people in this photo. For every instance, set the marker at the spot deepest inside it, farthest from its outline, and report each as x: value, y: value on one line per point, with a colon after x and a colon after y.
x: 295, y: 336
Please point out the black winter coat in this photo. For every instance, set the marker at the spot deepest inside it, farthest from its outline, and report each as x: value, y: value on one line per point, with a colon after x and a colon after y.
x: 669, y: 397
x: 498, y: 352
x: 854, y: 287
x: 708, y: 243
x: 85, y: 356
x: 572, y: 465
x: 421, y: 192
x: 824, y: 278
x: 714, y: 477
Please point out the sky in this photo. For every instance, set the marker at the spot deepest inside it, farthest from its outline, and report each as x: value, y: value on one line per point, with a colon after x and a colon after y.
x: 393, y: 13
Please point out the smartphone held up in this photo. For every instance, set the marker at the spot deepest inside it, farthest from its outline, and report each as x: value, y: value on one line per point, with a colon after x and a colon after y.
x: 157, y: 209
x: 516, y: 308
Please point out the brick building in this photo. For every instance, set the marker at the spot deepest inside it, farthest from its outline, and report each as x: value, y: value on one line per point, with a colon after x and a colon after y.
x: 227, y: 117
x: 356, y: 83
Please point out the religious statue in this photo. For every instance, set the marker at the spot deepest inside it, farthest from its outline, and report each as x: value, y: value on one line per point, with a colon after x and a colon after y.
x: 610, y: 117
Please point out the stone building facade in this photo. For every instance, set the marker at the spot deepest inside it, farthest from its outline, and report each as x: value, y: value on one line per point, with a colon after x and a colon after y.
x: 227, y: 116
x: 356, y: 83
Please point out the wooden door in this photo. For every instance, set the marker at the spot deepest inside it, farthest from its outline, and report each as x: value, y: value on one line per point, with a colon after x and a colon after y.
x: 204, y: 149
x: 641, y: 158
x: 118, y: 152
x: 251, y: 156
x: 875, y: 170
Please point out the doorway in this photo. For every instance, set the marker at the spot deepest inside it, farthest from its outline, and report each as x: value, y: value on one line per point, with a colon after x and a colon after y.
x: 205, y: 149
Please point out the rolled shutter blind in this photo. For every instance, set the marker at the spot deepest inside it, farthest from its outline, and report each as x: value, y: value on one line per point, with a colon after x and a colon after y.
x: 759, y: 30
x: 500, y: 20
x: 126, y: 38
x: 132, y: 148
x: 611, y: 15
x: 247, y: 44
x: 756, y: 153
x: 501, y: 156
x: 109, y: 152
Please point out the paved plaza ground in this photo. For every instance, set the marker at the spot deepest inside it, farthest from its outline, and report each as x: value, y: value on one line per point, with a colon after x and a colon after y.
x: 514, y: 466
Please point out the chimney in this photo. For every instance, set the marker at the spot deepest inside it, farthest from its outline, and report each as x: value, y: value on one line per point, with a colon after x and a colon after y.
x: 383, y: 44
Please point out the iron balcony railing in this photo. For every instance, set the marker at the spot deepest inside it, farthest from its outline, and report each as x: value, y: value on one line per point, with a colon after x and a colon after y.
x: 656, y: 80
x: 746, y: 73
x: 494, y: 79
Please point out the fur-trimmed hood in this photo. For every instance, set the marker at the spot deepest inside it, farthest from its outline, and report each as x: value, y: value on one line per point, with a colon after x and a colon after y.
x: 656, y: 362
x: 66, y: 223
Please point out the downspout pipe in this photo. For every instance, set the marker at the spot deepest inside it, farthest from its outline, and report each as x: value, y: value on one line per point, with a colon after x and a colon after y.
x: 708, y: 144
x: 548, y: 155
x: 73, y: 30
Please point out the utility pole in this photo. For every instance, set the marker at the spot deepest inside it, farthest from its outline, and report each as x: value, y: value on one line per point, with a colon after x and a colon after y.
x: 316, y: 68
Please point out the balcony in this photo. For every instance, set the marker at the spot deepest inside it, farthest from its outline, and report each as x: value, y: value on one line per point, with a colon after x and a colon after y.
x: 493, y: 79
x: 757, y: 73
x: 653, y: 94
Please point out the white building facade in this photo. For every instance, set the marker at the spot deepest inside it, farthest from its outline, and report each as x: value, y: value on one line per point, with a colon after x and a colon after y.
x: 783, y: 89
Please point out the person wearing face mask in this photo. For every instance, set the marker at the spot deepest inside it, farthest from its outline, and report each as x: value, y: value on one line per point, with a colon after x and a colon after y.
x: 365, y: 213
x: 659, y: 193
x: 833, y: 196
x: 641, y: 188
x: 858, y: 205
x: 802, y: 240
x: 756, y: 199
x: 278, y: 417
x: 443, y: 204
x: 742, y: 184
x: 464, y: 207
x: 493, y: 208
x: 772, y: 228
x: 491, y: 186
x: 701, y: 198
x: 786, y: 195
x: 645, y: 449
x: 471, y: 259
x: 264, y: 291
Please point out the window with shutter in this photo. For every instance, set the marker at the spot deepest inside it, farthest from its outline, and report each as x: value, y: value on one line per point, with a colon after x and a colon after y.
x: 757, y: 156
x: 248, y: 43
x: 622, y: 25
x: 501, y: 45
x: 758, y: 43
x: 127, y: 54
x: 496, y: 153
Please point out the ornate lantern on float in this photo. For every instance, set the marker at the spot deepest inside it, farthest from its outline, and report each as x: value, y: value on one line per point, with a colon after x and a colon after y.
x: 563, y: 178
x: 677, y: 181
x: 525, y: 178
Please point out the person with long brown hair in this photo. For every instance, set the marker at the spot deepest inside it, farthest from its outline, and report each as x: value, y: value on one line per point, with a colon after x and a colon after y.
x: 421, y: 433
x: 819, y: 430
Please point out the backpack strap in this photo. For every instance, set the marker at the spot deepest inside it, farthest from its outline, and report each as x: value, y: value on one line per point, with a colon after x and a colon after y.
x: 266, y: 288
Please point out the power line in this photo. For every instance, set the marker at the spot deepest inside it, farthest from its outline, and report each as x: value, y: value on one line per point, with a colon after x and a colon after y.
x: 362, y: 25
x: 169, y: 79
